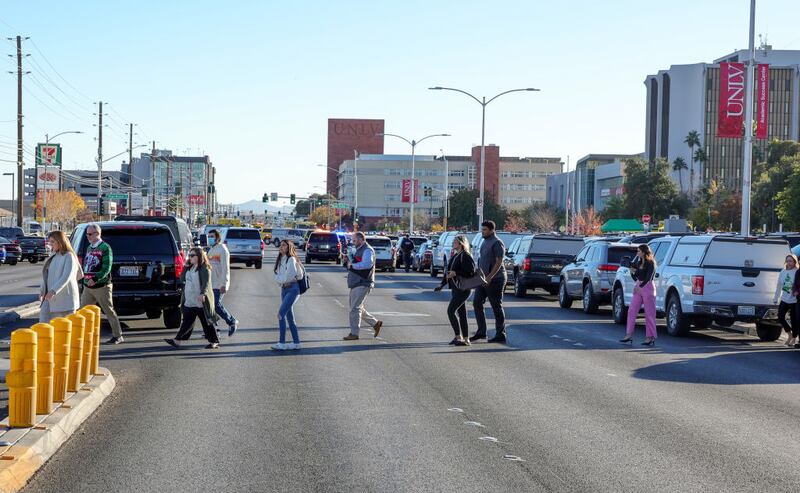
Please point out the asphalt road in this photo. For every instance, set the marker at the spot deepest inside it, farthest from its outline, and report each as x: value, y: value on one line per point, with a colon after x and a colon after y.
x: 406, y: 412
x: 19, y: 284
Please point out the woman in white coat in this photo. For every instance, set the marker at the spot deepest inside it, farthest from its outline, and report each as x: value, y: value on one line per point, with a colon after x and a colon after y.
x: 60, y: 275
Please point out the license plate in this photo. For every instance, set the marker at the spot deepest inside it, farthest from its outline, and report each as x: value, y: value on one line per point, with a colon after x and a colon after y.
x: 128, y: 271
x: 746, y: 310
x: 324, y: 247
x: 555, y: 279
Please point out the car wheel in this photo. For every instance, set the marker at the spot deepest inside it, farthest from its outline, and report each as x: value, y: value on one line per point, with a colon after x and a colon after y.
x: 520, y: 291
x: 391, y: 269
x: 172, y: 317
x: 724, y: 322
x: 33, y: 260
x: 589, y: 301
x: 276, y: 242
x: 702, y: 322
x: 153, y: 314
x: 338, y: 260
x: 308, y: 259
x: 12, y: 262
x: 768, y: 332
x: 258, y: 264
x: 564, y: 301
x: 434, y: 272
x: 677, y: 322
x: 618, y: 307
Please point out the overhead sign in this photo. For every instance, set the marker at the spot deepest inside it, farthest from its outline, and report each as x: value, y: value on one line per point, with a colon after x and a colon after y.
x: 117, y: 196
x: 731, y: 99
x: 48, y: 154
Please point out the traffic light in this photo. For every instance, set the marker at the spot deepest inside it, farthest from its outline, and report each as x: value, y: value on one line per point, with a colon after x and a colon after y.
x: 264, y: 198
x: 274, y: 197
x: 101, y: 205
x: 291, y: 199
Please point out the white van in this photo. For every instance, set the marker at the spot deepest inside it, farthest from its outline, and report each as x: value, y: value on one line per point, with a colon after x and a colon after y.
x: 710, y: 278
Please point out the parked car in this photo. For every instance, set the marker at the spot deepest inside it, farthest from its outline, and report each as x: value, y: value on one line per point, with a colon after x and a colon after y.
x: 296, y: 236
x: 792, y: 237
x: 591, y: 275
x: 441, y: 251
x: 266, y: 235
x: 13, y: 250
x: 508, y: 261
x: 539, y: 265
x: 385, y: 252
x: 177, y: 226
x: 324, y: 245
x: 12, y: 232
x: 146, y: 268
x: 710, y: 278
x: 642, y: 238
x: 2, y: 255
x: 416, y: 240
x: 245, y: 246
x: 422, y: 257
x: 34, y: 248
x: 506, y: 237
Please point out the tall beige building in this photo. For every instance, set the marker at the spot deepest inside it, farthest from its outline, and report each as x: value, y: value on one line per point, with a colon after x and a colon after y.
x: 523, y: 181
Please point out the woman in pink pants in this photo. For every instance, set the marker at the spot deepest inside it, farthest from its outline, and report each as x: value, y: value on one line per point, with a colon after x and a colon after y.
x: 644, y: 293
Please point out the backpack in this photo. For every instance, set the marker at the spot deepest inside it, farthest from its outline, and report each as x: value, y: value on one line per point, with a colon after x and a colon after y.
x: 304, y: 283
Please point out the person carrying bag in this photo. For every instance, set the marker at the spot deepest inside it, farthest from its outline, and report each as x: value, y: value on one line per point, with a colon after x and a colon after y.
x: 461, y: 277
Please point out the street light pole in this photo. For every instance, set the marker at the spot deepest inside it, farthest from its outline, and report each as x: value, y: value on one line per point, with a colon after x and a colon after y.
x: 355, y: 188
x: 413, y: 144
x: 748, y: 126
x: 483, y: 102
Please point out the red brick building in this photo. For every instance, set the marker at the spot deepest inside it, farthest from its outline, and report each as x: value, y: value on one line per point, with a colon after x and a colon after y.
x: 346, y: 135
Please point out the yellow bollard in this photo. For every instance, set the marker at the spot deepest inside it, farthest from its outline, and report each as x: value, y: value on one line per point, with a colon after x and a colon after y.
x: 96, y: 351
x: 61, y: 339
x: 21, y: 379
x: 75, y: 351
x: 88, y: 343
x: 44, y: 368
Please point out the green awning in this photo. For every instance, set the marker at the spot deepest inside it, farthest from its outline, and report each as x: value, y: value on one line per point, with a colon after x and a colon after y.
x: 621, y: 225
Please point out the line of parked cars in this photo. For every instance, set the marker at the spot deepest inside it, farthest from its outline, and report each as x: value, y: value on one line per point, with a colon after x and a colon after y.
x: 16, y: 246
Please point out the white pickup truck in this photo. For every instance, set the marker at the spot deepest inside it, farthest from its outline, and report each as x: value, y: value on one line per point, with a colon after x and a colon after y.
x: 710, y: 278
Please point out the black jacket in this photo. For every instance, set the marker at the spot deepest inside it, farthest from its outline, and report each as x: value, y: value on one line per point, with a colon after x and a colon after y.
x: 462, y: 264
x: 643, y: 273
x: 406, y: 245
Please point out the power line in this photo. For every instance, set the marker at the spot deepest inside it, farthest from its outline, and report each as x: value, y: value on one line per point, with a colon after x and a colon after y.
x: 40, y: 86
x: 48, y: 79
x: 36, y: 47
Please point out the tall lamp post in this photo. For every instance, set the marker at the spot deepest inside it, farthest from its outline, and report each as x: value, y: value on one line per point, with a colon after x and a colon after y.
x: 413, y: 144
x: 748, y: 127
x: 46, y: 162
x: 483, y: 102
x: 12, y: 195
x: 446, y: 190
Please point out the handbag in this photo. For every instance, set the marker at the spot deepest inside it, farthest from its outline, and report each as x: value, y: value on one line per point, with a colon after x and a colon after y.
x: 304, y: 283
x: 466, y: 283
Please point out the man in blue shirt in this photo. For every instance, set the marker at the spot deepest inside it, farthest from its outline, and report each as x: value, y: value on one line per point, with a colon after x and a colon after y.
x: 360, y: 280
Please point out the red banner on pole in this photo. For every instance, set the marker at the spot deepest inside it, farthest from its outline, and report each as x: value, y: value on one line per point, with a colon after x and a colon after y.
x: 407, y: 191
x: 731, y: 99
x: 762, y: 117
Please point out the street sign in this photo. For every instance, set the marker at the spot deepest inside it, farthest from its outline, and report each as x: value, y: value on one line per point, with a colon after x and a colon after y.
x: 479, y: 206
x: 117, y: 196
x: 646, y: 219
x: 274, y: 196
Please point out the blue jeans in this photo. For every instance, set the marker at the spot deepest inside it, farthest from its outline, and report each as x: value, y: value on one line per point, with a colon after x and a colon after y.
x: 286, y: 313
x: 220, y: 309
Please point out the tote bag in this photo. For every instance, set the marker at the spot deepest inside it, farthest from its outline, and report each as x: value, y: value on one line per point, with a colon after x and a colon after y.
x: 465, y: 283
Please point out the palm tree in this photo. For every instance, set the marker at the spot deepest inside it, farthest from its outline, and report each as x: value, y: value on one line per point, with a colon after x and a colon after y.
x: 692, y: 140
x: 700, y: 156
x: 679, y: 165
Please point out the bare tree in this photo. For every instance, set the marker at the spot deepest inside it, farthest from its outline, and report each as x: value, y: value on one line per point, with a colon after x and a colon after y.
x: 543, y: 219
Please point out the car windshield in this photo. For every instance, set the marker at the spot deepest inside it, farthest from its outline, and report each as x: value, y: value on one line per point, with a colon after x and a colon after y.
x: 322, y: 239
x: 379, y: 242
x: 556, y: 246
x: 242, y: 234
x: 615, y: 254
x: 130, y: 241
x: 418, y: 241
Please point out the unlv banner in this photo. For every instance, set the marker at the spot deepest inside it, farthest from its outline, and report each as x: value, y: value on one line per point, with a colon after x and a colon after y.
x: 407, y: 191
x: 762, y: 116
x: 731, y: 99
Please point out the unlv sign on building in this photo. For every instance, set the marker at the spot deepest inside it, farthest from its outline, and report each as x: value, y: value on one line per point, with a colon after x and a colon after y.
x: 731, y: 99
x: 347, y: 136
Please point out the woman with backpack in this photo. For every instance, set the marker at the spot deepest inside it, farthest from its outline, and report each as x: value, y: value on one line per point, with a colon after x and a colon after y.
x: 460, y: 266
x: 288, y: 272
x: 197, y: 300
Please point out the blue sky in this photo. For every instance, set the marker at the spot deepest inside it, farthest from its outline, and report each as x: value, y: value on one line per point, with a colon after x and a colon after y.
x: 252, y: 83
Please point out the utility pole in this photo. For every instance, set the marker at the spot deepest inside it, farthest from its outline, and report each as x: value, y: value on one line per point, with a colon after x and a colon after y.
x: 20, y: 164
x: 748, y: 125
x: 99, y: 157
x: 153, y: 180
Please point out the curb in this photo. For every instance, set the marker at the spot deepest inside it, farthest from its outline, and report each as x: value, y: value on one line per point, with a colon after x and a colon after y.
x: 13, y: 314
x: 24, y: 450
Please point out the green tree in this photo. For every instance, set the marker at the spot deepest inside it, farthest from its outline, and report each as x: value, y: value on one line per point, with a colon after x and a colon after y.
x: 788, y: 200
x: 692, y: 140
x: 650, y: 190
x: 615, y: 207
x: 679, y: 165
x: 463, y: 211
x: 717, y: 208
x: 701, y: 157
x: 770, y: 178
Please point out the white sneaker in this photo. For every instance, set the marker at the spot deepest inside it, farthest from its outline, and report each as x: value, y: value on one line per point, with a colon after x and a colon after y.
x: 293, y: 346
x: 279, y: 347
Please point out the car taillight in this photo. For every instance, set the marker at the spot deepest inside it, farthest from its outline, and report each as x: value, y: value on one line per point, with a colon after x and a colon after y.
x: 526, y: 264
x: 608, y: 268
x: 178, y: 265
x: 262, y: 244
x: 698, y: 283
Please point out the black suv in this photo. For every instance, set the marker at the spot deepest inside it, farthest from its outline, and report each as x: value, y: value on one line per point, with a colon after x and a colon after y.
x: 324, y: 246
x: 34, y: 248
x: 539, y: 261
x: 13, y: 251
x: 180, y: 230
x: 146, y: 268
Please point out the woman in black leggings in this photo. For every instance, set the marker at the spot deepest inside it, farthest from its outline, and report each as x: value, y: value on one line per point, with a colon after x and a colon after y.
x: 461, y: 264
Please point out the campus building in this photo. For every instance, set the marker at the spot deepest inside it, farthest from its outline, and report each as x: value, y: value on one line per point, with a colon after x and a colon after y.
x: 684, y: 98
x: 594, y: 181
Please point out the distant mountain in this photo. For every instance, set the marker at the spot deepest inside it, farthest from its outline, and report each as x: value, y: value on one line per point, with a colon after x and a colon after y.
x: 259, y: 207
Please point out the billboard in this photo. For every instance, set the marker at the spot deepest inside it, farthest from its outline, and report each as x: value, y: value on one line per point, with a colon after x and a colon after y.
x: 48, y: 179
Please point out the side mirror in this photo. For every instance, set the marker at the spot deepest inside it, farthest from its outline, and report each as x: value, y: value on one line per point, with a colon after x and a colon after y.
x: 625, y: 261
x: 435, y: 243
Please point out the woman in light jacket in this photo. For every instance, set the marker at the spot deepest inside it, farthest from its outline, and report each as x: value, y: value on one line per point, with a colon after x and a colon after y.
x: 197, y: 300
x: 287, y: 272
x: 60, y: 274
x: 461, y: 265
x: 786, y: 295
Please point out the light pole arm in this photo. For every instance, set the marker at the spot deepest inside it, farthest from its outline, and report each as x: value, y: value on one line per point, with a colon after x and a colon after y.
x: 512, y: 90
x: 399, y: 137
x: 429, y: 136
x: 437, y: 88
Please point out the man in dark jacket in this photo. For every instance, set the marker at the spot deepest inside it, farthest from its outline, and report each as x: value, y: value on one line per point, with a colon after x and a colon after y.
x: 406, y: 250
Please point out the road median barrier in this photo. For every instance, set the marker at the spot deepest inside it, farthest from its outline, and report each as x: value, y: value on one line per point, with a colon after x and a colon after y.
x: 55, y: 383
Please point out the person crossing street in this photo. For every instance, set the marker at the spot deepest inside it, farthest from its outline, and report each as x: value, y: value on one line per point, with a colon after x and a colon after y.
x: 406, y: 251
x: 491, y: 264
x: 360, y: 281
x: 219, y: 258
x: 97, y: 287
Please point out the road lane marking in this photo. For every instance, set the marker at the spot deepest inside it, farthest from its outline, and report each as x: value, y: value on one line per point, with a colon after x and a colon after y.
x: 555, y: 336
x: 319, y: 284
x: 401, y: 314
x: 611, y: 374
x: 456, y: 410
x: 568, y: 340
x: 513, y: 458
x: 577, y: 344
x: 338, y: 302
x: 488, y: 439
x: 474, y: 423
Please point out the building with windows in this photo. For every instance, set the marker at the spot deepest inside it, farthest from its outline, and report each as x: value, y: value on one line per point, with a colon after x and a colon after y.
x: 685, y: 98
x: 594, y: 181
x: 523, y: 181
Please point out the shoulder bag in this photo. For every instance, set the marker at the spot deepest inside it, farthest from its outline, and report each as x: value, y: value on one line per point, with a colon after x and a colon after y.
x: 476, y: 280
x: 304, y: 283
